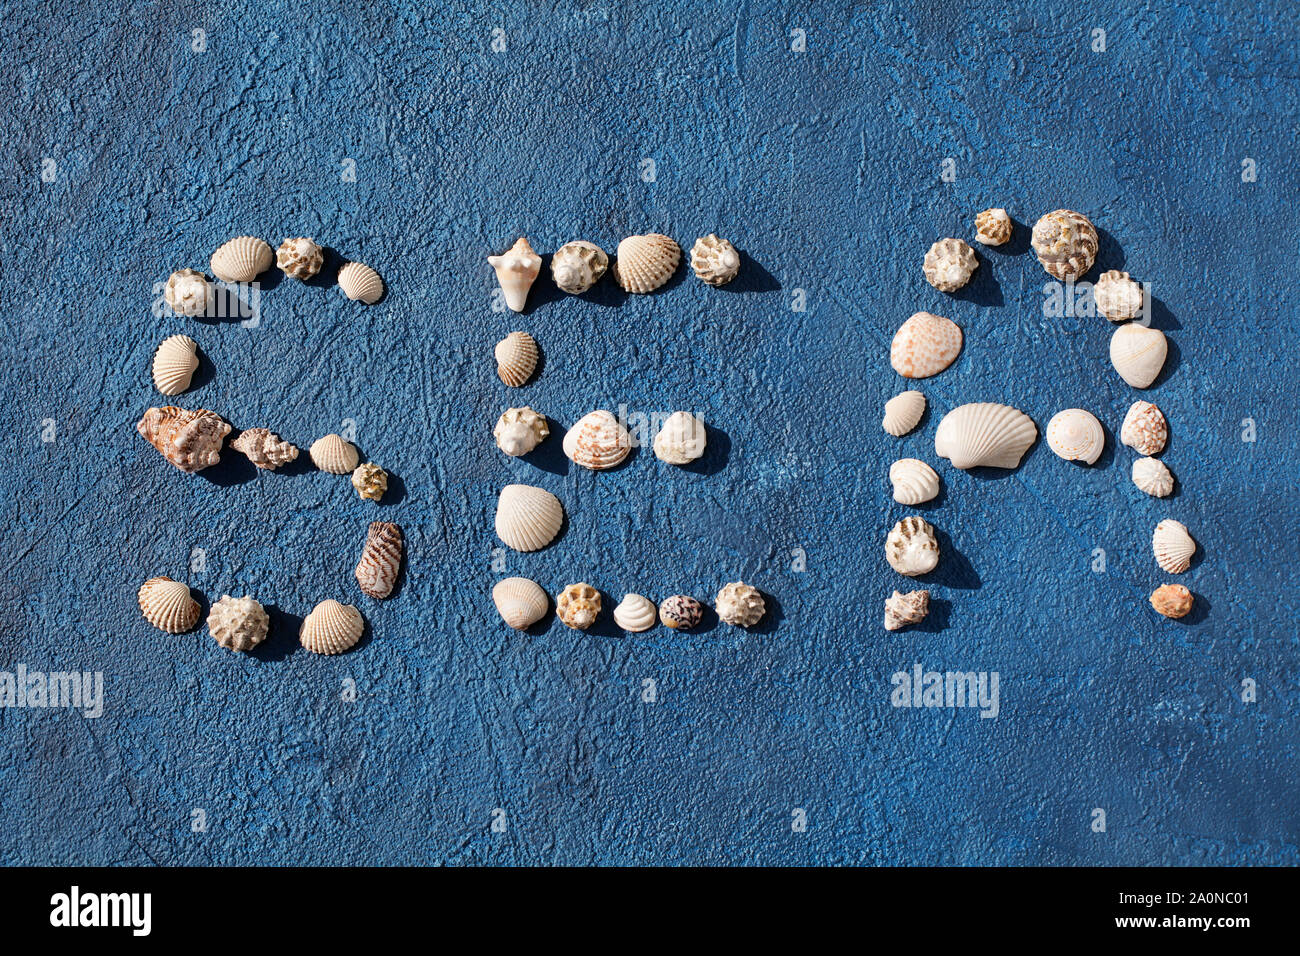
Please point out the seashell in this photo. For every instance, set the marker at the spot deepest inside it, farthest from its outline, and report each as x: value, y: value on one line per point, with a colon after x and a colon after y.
x: 984, y: 434
x: 360, y: 283
x: 1173, y: 546
x: 188, y: 292
x: 520, y: 602
x: 1117, y: 296
x: 715, y: 260
x: 904, y: 609
x: 528, y: 518
x: 242, y: 259
x: 520, y: 430
x: 578, y: 606
x: 190, y: 439
x: 333, y: 454
x: 578, y: 265
x: 516, y: 270
x: 924, y: 345
x: 681, y: 440
x: 300, y: 258
x: 516, y: 357
x: 1066, y: 243
x: 1145, y: 429
x: 681, y: 612
x: 902, y: 412
x: 992, y: 228
x: 167, y: 605
x: 911, y: 547
x: 914, y: 481
x: 238, y: 624
x: 174, y: 364
x: 740, y: 605
x: 644, y: 263
x: 370, y: 480
x: 635, y: 613
x: 331, y: 628
x: 949, y: 264
x: 1076, y: 435
x: 1153, y: 477
x: 1138, y: 353
x: 381, y: 560
x: 264, y: 448
x: 1172, y: 600
x: 597, y: 441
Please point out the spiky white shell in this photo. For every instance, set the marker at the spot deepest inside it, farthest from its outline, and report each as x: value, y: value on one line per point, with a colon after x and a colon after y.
x: 1066, y: 243
x: 174, y: 364
x: 520, y: 430
x: 902, y: 412
x: 1076, y: 435
x: 1138, y: 353
x: 1145, y: 429
x: 242, y: 259
x: 167, y: 605
x: 516, y: 357
x: 334, y: 455
x: 578, y: 606
x: 578, y: 265
x: 300, y: 257
x: 924, y: 345
x: 528, y: 518
x: 381, y: 560
x: 370, y: 481
x: 714, y: 260
x: 740, y: 605
x: 636, y: 613
x: 911, y: 547
x: 520, y: 602
x: 949, y: 264
x: 644, y: 263
x: 597, y: 441
x: 904, y: 609
x: 992, y: 227
x: 516, y: 270
x: 914, y: 481
x: 1117, y: 296
x: 360, y: 283
x: 1153, y: 477
x: 984, y: 434
x: 1173, y: 546
x: 188, y: 292
x: 681, y: 440
x: 238, y: 624
x: 331, y: 628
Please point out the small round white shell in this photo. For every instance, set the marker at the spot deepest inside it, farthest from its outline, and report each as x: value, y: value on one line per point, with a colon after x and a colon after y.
x: 681, y: 440
x: 949, y: 264
x: 1138, y: 353
x: 519, y: 430
x: 914, y: 481
x: 903, y: 412
x: 520, y: 602
x: 1153, y: 477
x: 1075, y: 435
x: 636, y: 613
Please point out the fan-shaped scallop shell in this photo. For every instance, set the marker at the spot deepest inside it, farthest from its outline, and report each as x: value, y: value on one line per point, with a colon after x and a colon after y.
x: 681, y: 440
x: 520, y: 602
x: 911, y: 547
x: 188, y: 292
x: 174, y: 364
x: 1138, y: 353
x: 381, y: 560
x: 520, y: 430
x: 370, y: 481
x: 1145, y: 429
x: 300, y: 257
x: 1153, y: 477
x: 242, y: 259
x: 903, y: 412
x: 516, y: 268
x: 681, y: 612
x: 167, y: 605
x: 1173, y: 546
x: 264, y: 448
x: 578, y: 265
x: 636, y: 613
x: 360, y: 283
x: 516, y: 357
x: 1172, y: 600
x: 597, y: 441
x: 924, y: 345
x: 1117, y: 296
x: 578, y: 606
x: 904, y: 609
x: 190, y: 439
x: 644, y: 263
x: 528, y: 518
x: 949, y: 264
x: 984, y: 434
x: 1076, y: 435
x: 715, y: 260
x: 1066, y: 243
x: 331, y: 628
x: 334, y: 455
x: 238, y: 624
x: 740, y: 605
x: 914, y: 481
x: 992, y: 227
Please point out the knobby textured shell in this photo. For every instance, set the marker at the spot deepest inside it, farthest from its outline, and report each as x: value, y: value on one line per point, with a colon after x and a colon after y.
x: 381, y: 560
x: 911, y: 547
x: 715, y: 260
x: 187, y: 292
x: 1145, y: 429
x: 238, y: 624
x: 520, y: 430
x: 370, y: 481
x: 1173, y: 546
x: 740, y: 605
x: 681, y: 611
x: 331, y: 628
x: 949, y: 264
x: 1117, y: 296
x: 902, y: 412
x: 300, y: 258
x: 190, y: 439
x: 1076, y: 435
x: 333, y: 454
x: 597, y: 441
x: 167, y: 605
x: 528, y: 518
x: 578, y: 606
x: 924, y: 345
x: 644, y: 263
x: 516, y: 357
x: 360, y: 283
x: 516, y: 270
x: 578, y: 265
x: 1172, y: 600
x: 174, y: 364
x: 1066, y: 243
x: 914, y: 481
x: 904, y: 609
x: 992, y: 228
x: 1153, y: 477
x: 1138, y: 353
x: 242, y: 259
x: 264, y: 448
x: 635, y: 613
x: 984, y: 434
x: 520, y: 602
x: 681, y: 440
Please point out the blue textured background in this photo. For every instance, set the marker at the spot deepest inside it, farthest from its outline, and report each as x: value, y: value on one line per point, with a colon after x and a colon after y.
x: 824, y: 167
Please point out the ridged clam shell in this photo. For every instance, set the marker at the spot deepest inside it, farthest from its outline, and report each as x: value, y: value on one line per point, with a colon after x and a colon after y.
x: 190, y: 439
x: 167, y: 605
x: 174, y: 364
x: 516, y: 269
x: 578, y: 265
x: 949, y: 264
x: 1076, y: 435
x: 242, y: 259
x: 1145, y: 429
x: 264, y: 448
x: 360, y: 283
x: 238, y: 624
x: 370, y: 481
x: 520, y: 430
x: 1153, y: 477
x: 1117, y: 296
x: 644, y: 263
x: 1173, y: 546
x: 528, y: 518
x: 516, y: 357
x: 578, y: 606
x: 636, y: 613
x: 381, y: 560
x: 520, y: 602
x: 904, y: 609
x: 300, y: 257
x: 331, y: 628
x: 1066, y: 243
x: 914, y: 481
x: 984, y: 434
x: 334, y: 455
x: 681, y: 612
x: 715, y: 260
x: 924, y: 345
x: 681, y: 440
x: 992, y: 227
x: 902, y: 412
x: 911, y: 547
x: 740, y: 605
x: 597, y: 441
x: 1138, y: 353
x: 188, y: 292
x: 1172, y: 600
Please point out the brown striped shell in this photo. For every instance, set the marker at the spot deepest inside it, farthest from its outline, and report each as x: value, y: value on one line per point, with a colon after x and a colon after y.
x: 381, y: 560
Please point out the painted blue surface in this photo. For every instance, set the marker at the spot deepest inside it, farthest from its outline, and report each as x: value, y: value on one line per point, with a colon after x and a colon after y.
x: 824, y: 166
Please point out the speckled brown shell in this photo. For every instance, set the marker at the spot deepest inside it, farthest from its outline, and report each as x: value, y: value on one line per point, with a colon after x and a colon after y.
x: 681, y: 611
x: 1144, y: 429
x: 300, y: 258
x: 924, y: 345
x: 1172, y: 600
x: 904, y: 609
x: 264, y: 448
x: 992, y: 228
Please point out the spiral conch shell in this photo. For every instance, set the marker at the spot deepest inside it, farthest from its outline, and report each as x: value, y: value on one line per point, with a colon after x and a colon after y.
x: 300, y: 258
x: 238, y: 624
x: 167, y: 605
x: 1173, y: 546
x: 190, y: 439
x: 681, y: 440
x: 188, y: 292
x: 381, y: 560
x: 334, y: 455
x: 903, y: 412
x: 644, y: 263
x: 949, y: 264
x: 992, y: 227
x: 360, y: 283
x: 520, y: 602
x: 1138, y: 353
x: 174, y: 364
x: 715, y: 260
x: 528, y: 518
x: 984, y: 434
x: 331, y: 628
x: 914, y: 481
x: 597, y: 441
x: 681, y: 612
x: 1066, y: 243
x: 578, y: 265
x: 242, y: 259
x: 578, y: 606
x: 904, y: 609
x: 516, y: 270
x: 264, y: 448
x: 1076, y: 435
x: 516, y: 357
x: 370, y: 481
x: 520, y: 430
x: 1117, y: 296
x: 924, y: 345
x: 740, y: 605
x: 1172, y: 600
x: 1145, y: 429
x: 1153, y: 477
x: 636, y: 613
x: 911, y: 547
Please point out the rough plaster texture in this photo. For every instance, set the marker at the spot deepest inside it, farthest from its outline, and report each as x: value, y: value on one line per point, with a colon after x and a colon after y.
x: 824, y: 166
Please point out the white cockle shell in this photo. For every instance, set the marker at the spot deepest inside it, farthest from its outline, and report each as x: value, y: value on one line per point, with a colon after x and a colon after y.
x: 1145, y: 429
x: 714, y: 260
x: 331, y: 628
x: 520, y: 602
x: 516, y: 357
x: 334, y: 455
x: 242, y: 259
x: 1138, y: 353
x: 597, y: 441
x: 174, y: 364
x: 902, y: 412
x: 984, y: 434
x: 519, y: 430
x: 516, y: 270
x: 644, y: 263
x: 681, y: 440
x: 949, y: 264
x: 1153, y: 477
x: 1076, y: 435
x: 914, y: 481
x: 528, y: 518
x: 911, y: 547
x: 636, y: 613
x: 238, y: 624
x: 578, y: 265
x: 360, y: 283
x: 924, y: 345
x: 167, y: 605
x: 1173, y: 546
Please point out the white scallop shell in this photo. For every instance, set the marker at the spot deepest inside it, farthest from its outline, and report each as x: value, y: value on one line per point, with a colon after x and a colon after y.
x: 174, y: 364
x: 188, y: 292
x: 578, y: 265
x: 520, y: 602
x: 516, y: 357
x: 949, y: 264
x: 331, y: 628
x: 360, y: 283
x: 714, y: 260
x: 1173, y: 546
x: 528, y: 518
x: 597, y: 441
x: 914, y: 481
x: 167, y: 605
x: 238, y: 624
x: 992, y: 227
x: 902, y: 412
x: 740, y: 605
x: 1076, y: 435
x: 911, y: 547
x: 516, y: 271
x: 984, y: 434
x: 904, y: 609
x: 924, y: 345
x: 681, y: 440
x: 1145, y: 429
x: 1117, y: 296
x: 644, y: 263
x: 1153, y: 477
x: 334, y: 455
x: 636, y: 613
x: 1138, y: 353
x: 242, y: 259
x: 520, y: 430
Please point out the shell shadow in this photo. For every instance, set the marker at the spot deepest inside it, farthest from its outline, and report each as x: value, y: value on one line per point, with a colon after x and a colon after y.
x: 542, y: 624
x: 717, y: 452
x: 983, y: 288
x: 282, y: 638
x: 752, y: 277
x: 395, y: 494
x: 772, y: 616
x: 954, y: 571
x: 709, y: 622
x: 1173, y: 359
x: 1161, y: 317
x: 543, y: 291
x: 1200, y: 611
x: 1018, y: 244
x: 232, y: 469
x: 229, y: 303
x: 937, y: 619
x: 1110, y: 255
x: 299, y: 466
x: 549, y: 455
x: 204, y: 374
x: 605, y: 625
x: 329, y: 276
